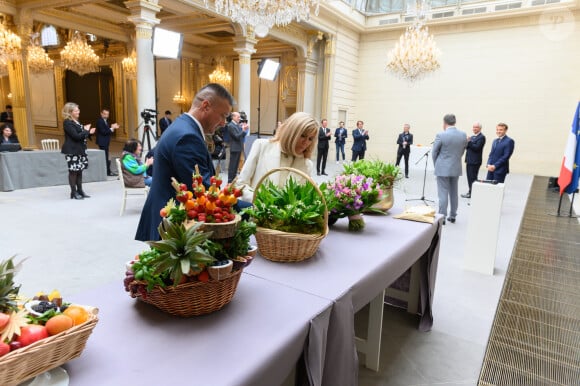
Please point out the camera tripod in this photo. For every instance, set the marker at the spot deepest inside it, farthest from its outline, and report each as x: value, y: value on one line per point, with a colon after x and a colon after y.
x: 426, y: 156
x: 147, y: 133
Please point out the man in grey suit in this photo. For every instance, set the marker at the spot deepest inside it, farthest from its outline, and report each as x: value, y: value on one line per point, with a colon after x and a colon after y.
x: 448, y: 149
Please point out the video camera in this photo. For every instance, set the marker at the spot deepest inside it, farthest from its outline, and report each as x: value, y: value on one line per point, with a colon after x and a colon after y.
x: 243, y: 117
x: 148, y: 116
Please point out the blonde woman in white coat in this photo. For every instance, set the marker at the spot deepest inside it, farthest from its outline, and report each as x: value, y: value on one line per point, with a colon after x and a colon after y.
x: 292, y: 147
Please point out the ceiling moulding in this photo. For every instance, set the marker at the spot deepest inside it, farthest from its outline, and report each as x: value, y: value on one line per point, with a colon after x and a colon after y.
x: 82, y: 23
x: 114, y: 16
x: 352, y: 18
x: 37, y: 4
x: 7, y: 8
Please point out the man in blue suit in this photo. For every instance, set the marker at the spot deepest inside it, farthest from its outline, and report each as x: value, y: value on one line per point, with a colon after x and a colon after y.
x: 180, y: 149
x: 473, y: 156
x: 360, y: 137
x: 498, y: 163
x: 448, y: 148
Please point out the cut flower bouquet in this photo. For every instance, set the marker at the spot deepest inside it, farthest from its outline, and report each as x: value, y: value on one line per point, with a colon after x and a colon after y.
x: 348, y: 196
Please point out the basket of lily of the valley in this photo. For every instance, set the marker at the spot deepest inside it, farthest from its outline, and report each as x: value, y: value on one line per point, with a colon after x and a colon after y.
x: 292, y: 217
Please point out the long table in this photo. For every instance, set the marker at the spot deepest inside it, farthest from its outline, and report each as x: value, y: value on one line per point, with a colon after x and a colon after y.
x: 280, y: 314
x: 30, y: 169
x: 255, y: 340
x: 351, y: 270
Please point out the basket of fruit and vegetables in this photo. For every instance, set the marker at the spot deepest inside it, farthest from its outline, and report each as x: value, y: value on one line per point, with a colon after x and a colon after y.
x: 292, y: 220
x: 38, y: 335
x: 189, y: 272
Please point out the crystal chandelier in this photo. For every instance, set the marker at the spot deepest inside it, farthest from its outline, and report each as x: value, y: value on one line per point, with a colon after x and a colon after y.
x: 38, y: 60
x: 263, y: 14
x: 220, y: 75
x: 130, y: 66
x: 79, y: 57
x: 416, y: 53
x: 179, y: 98
x: 10, y: 45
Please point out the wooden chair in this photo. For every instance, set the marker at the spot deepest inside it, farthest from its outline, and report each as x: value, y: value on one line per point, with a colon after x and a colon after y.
x: 128, y: 192
x: 50, y: 144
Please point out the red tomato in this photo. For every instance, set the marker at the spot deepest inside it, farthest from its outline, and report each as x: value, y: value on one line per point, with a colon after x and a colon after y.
x: 182, y: 187
x: 163, y: 212
x: 31, y: 333
x: 4, y: 348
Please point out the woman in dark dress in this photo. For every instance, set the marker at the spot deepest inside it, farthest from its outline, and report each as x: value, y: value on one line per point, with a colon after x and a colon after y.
x: 74, y: 148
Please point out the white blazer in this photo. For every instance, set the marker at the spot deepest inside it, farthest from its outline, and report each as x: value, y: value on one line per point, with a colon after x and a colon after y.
x: 265, y: 156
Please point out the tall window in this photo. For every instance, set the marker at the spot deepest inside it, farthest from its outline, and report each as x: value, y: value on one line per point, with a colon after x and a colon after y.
x: 48, y: 36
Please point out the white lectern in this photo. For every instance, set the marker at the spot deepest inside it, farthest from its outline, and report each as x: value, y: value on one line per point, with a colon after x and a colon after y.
x: 483, y: 228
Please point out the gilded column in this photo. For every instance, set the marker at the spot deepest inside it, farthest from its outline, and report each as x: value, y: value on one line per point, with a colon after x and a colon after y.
x: 328, y: 77
x: 244, y: 46
x: 143, y: 14
x: 20, y: 85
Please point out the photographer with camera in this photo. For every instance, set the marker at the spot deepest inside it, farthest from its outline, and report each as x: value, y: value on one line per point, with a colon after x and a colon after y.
x: 237, y: 131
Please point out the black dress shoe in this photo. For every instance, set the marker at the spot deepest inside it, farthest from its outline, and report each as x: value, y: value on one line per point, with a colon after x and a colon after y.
x: 324, y: 174
x: 451, y: 220
x: 317, y: 173
x: 112, y: 174
x: 76, y: 196
x: 466, y: 195
x: 83, y: 194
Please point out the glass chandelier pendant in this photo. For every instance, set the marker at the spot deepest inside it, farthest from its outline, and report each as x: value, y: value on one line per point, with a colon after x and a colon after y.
x: 264, y: 14
x: 79, y: 57
x: 38, y: 60
x: 10, y: 45
x: 130, y: 66
x: 416, y: 53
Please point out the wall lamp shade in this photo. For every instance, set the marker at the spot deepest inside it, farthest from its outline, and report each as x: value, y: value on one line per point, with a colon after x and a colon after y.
x: 167, y: 44
x: 268, y: 69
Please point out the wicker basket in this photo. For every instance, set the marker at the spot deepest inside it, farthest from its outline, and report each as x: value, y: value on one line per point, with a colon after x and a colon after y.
x: 194, y: 298
x: 46, y: 354
x: 222, y: 230
x: 284, y: 246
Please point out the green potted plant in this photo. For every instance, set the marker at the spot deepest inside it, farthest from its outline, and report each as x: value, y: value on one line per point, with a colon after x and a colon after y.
x: 385, y: 173
x: 291, y: 219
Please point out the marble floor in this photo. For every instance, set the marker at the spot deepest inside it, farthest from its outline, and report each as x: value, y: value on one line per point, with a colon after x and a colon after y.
x: 78, y: 245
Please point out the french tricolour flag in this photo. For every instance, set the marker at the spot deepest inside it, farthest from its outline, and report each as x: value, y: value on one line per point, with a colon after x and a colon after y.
x: 570, y: 171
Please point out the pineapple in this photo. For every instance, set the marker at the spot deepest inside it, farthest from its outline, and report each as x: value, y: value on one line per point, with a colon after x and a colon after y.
x: 8, y: 294
x: 8, y: 291
x: 181, y: 252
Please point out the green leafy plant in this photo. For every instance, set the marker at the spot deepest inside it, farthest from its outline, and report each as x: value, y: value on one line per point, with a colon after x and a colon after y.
x: 239, y: 244
x: 386, y: 174
x: 295, y: 208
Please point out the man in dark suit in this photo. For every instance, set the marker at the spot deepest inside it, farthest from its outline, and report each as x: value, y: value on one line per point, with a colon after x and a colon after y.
x: 180, y: 149
x: 104, y: 132
x: 360, y: 137
x: 340, y: 134
x: 448, y: 149
x: 324, y: 135
x: 473, y: 156
x: 236, y: 133
x: 165, y: 122
x: 405, y: 140
x: 498, y: 163
x: 6, y: 116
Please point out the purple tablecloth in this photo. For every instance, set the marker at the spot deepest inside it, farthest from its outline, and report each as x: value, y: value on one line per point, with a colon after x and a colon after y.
x: 255, y: 340
x: 350, y: 269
